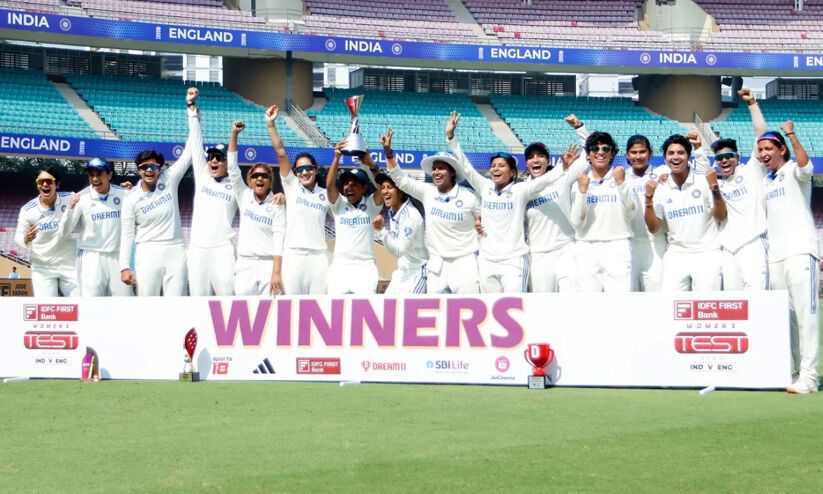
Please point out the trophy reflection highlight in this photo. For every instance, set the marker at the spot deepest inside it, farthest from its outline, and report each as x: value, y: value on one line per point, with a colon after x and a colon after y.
x: 90, y: 366
x: 539, y: 356
x: 355, y: 145
x: 189, y: 373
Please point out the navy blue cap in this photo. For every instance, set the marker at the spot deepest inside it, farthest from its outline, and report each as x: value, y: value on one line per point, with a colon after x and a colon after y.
x: 536, y: 146
x: 358, y: 175
x: 217, y: 149
x: 98, y: 164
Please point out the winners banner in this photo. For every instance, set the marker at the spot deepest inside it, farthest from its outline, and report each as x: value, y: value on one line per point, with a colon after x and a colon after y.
x: 723, y: 339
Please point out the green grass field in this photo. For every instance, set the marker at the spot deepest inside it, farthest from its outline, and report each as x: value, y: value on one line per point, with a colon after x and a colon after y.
x: 115, y: 436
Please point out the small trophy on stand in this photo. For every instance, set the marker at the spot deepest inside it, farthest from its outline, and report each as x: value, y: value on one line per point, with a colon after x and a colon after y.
x: 355, y: 145
x: 91, y: 366
x: 539, y: 356
x: 189, y: 373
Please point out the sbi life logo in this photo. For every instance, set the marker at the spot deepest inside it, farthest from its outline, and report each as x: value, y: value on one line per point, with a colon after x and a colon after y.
x: 454, y: 365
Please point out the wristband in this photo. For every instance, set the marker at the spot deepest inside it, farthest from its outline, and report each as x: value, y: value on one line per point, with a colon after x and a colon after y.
x: 577, y: 127
x: 389, y: 154
x: 190, y: 104
x: 715, y: 189
x: 789, y: 133
x: 649, y: 204
x: 649, y: 197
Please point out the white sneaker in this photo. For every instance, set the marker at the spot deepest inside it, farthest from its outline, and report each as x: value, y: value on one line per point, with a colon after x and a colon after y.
x: 803, y: 387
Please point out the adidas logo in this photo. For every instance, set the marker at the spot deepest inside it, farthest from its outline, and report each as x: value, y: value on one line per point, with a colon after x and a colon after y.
x: 264, y: 368
x: 669, y: 201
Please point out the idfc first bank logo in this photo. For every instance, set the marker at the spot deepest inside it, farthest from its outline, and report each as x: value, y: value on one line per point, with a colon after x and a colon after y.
x: 711, y: 310
x: 50, y: 312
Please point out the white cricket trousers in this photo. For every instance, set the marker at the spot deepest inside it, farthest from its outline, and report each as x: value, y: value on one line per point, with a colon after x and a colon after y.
x: 348, y: 276
x: 800, y: 275
x: 647, y: 264
x: 506, y: 276
x: 748, y: 268
x: 695, y: 271
x: 99, y: 274
x: 160, y: 266
x: 407, y: 281
x: 53, y: 281
x: 252, y: 276
x: 304, y: 272
x: 553, y: 271
x: 211, y: 270
x: 453, y: 275
x: 604, y: 266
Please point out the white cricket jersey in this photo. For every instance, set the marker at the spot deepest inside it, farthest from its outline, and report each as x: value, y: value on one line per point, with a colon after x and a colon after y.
x: 305, y: 215
x: 98, y: 217
x: 262, y: 223
x: 450, y: 217
x: 547, y: 214
x: 788, y: 212
x: 743, y: 194
x: 687, y: 214
x: 405, y: 237
x: 214, y: 204
x: 503, y: 212
x: 637, y: 184
x: 605, y: 212
x: 49, y: 247
x: 154, y: 216
x: 354, y: 233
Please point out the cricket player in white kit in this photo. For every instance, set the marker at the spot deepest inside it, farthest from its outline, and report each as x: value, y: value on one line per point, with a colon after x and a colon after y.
x: 53, y: 256
x: 404, y: 236
x: 262, y: 225
x: 150, y: 217
x: 305, y: 254
x: 353, y: 268
x: 743, y: 234
x: 602, y: 209
x: 794, y: 258
x: 688, y: 206
x: 96, y: 210
x: 647, y: 248
x: 451, y: 212
x: 503, y: 261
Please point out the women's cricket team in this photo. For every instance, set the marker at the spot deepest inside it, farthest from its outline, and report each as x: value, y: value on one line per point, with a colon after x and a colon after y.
x: 583, y: 226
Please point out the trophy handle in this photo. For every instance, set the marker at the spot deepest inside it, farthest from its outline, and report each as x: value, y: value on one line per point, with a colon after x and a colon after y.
x: 526, y: 356
x: 551, y: 357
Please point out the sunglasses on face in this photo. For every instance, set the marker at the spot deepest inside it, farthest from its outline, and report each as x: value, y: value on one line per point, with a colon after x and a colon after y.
x: 148, y: 166
x: 605, y: 148
x: 262, y: 175
x: 724, y: 156
x: 216, y: 156
x: 41, y: 181
x: 304, y: 168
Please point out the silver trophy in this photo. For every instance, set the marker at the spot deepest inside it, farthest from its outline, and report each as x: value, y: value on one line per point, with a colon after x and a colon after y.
x: 355, y: 145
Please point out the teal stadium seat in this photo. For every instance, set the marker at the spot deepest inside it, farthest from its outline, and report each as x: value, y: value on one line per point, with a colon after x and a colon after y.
x: 150, y: 109
x: 418, y: 120
x: 32, y: 105
x: 541, y: 118
x: 806, y: 114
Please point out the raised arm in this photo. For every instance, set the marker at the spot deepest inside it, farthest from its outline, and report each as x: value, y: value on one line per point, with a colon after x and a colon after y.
x: 71, y: 217
x: 331, y: 177
x: 282, y: 158
x: 653, y: 223
x: 719, y: 205
x: 193, y: 151
x: 701, y: 161
x: 758, y: 121
x: 235, y: 176
x: 472, y: 176
x: 578, y: 127
x: 412, y: 187
x: 800, y: 154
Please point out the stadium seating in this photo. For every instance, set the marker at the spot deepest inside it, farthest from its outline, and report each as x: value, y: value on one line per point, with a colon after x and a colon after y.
x: 418, y: 120
x: 32, y: 105
x: 540, y: 118
x: 764, y: 25
x: 429, y: 20
x: 565, y: 23
x: 151, y: 109
x: 806, y: 114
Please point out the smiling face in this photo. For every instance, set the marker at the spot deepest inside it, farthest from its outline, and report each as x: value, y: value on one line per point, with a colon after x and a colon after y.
x: 537, y: 163
x: 501, y: 173
x: 149, y: 173
x: 260, y: 181
x: 47, y: 187
x: 443, y: 176
x: 392, y: 196
x: 638, y: 156
x: 726, y: 159
x: 601, y: 156
x: 353, y: 190
x: 100, y: 180
x: 678, y: 159
x: 218, y: 167
x: 306, y: 172
x: 770, y: 153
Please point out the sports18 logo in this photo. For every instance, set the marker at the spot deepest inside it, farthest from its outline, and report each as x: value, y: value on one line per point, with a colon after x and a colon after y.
x: 711, y: 342
x: 50, y: 340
